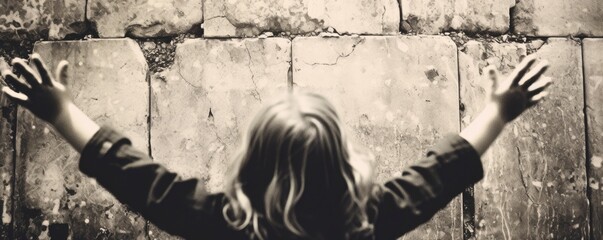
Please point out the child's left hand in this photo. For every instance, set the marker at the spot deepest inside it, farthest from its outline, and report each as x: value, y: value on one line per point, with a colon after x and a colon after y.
x: 522, y: 89
x: 41, y: 93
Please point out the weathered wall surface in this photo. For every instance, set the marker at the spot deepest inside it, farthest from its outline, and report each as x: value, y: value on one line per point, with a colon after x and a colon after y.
x: 246, y: 18
x: 559, y: 18
x: 116, y: 18
x: 528, y: 178
x: 388, y: 106
x: 593, y: 77
x: 183, y: 79
x: 37, y: 19
x: 108, y: 81
x: 218, y: 84
x: 433, y: 17
x: 7, y: 151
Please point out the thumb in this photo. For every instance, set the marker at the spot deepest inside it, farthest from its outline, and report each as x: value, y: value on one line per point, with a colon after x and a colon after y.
x: 494, y: 78
x: 61, y: 75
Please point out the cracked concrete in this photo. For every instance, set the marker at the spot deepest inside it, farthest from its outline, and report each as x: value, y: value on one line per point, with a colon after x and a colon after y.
x: 205, y: 90
x: 201, y: 105
x: 593, y: 76
x: 522, y: 178
x: 389, y: 105
x: 255, y: 91
x: 56, y: 20
x: 108, y: 81
x: 144, y: 18
x: 246, y: 18
x: 345, y: 54
x: 520, y: 199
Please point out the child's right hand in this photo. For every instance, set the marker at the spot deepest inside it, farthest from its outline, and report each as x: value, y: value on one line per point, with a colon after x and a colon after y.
x: 522, y: 89
x: 40, y: 94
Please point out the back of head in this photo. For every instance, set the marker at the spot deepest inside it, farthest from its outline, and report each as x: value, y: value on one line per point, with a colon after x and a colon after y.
x: 297, y: 176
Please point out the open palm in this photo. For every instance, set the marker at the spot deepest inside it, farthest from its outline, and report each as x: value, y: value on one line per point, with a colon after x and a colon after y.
x: 40, y: 93
x: 522, y: 89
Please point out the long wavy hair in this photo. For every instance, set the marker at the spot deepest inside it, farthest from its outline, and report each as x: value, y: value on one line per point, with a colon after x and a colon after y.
x: 296, y: 176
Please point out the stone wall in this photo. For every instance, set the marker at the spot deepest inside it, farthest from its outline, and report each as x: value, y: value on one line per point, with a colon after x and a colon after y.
x: 182, y: 79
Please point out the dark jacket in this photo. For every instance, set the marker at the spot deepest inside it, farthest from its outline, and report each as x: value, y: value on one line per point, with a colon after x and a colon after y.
x: 184, y: 207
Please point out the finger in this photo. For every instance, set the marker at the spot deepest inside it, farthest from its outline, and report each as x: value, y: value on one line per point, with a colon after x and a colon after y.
x: 522, y: 68
x: 26, y: 71
x: 542, y: 81
x: 492, y: 73
x: 537, y: 98
x: 538, y: 90
x: 13, y: 82
x: 42, y: 69
x: 19, y: 98
x: 535, y: 74
x: 61, y: 72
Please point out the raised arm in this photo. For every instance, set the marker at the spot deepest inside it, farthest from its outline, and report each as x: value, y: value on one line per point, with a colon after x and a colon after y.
x: 47, y: 98
x: 454, y: 163
x: 181, y: 207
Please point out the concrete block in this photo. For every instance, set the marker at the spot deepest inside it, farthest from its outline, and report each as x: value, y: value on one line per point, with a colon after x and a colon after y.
x: 245, y: 18
x: 535, y: 176
x: 146, y: 18
x: 203, y: 103
x: 558, y: 18
x: 396, y: 97
x: 433, y: 17
x: 593, y: 76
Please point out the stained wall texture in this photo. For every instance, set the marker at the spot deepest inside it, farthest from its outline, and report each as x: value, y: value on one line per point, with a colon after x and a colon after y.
x: 388, y: 106
x: 183, y: 79
x: 108, y: 82
x: 528, y: 178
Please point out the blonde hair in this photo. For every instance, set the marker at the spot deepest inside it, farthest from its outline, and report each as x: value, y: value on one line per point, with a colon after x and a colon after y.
x: 294, y: 162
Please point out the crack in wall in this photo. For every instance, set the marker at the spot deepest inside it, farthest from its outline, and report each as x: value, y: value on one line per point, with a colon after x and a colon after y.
x: 468, y: 195
x: 291, y: 81
x: 217, y: 16
x: 383, y: 18
x: 587, y: 150
x: 186, y: 81
x: 89, y: 28
x: 536, y: 45
x: 214, y: 128
x: 150, y: 149
x: 255, y: 92
x: 521, y: 171
x: 179, y: 72
x: 340, y: 56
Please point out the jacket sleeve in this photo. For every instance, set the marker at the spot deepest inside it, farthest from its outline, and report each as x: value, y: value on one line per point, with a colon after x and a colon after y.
x: 180, y: 207
x: 426, y: 187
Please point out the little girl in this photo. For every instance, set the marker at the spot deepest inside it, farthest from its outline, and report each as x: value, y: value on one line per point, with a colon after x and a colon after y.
x: 296, y: 176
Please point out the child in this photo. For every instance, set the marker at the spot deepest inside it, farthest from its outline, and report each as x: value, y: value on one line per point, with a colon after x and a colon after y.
x: 296, y: 177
